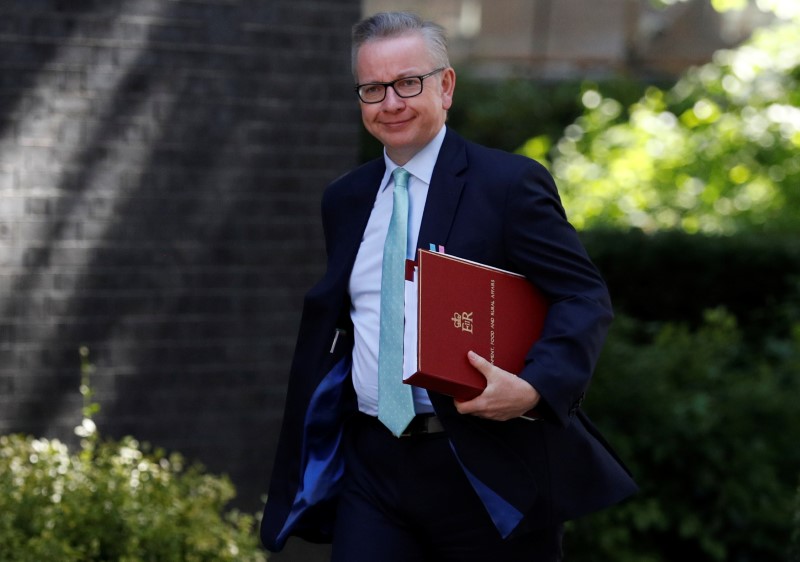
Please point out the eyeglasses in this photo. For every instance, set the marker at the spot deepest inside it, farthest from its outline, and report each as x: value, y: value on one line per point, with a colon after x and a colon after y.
x: 408, y: 87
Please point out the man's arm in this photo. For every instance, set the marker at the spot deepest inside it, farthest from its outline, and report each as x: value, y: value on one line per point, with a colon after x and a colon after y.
x: 543, y: 246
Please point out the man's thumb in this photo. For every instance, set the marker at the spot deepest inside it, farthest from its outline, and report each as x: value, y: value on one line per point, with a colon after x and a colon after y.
x: 481, y: 364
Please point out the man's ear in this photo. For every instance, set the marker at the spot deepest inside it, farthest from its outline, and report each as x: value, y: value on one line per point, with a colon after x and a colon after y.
x: 448, y: 87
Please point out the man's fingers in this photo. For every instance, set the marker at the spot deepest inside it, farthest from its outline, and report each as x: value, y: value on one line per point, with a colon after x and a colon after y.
x: 480, y: 363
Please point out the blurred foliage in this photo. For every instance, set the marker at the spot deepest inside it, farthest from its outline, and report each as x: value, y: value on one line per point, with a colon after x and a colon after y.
x: 717, y: 152
x: 675, y: 276
x: 701, y: 405
x: 719, y: 5
x: 114, y: 501
x: 708, y: 424
x: 795, y: 549
x: 506, y: 114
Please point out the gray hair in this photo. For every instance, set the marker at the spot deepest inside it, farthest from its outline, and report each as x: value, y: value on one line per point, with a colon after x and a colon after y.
x: 387, y: 25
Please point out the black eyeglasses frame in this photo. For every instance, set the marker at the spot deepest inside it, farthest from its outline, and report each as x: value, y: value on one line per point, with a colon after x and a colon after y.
x: 387, y: 85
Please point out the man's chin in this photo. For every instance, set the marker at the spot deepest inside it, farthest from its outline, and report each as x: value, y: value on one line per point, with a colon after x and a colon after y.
x: 397, y: 143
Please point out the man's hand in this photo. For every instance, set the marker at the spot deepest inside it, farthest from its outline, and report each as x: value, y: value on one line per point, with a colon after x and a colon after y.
x: 505, y: 397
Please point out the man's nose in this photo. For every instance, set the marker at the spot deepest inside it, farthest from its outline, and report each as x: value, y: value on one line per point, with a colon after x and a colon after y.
x: 392, y: 100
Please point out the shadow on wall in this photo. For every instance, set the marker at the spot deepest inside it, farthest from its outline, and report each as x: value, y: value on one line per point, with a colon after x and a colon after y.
x: 167, y: 178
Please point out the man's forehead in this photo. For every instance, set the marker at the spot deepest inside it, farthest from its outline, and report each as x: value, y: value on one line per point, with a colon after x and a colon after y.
x: 404, y: 55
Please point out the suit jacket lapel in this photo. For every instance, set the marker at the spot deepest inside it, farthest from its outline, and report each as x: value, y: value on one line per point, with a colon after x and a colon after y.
x: 354, y: 210
x: 444, y: 192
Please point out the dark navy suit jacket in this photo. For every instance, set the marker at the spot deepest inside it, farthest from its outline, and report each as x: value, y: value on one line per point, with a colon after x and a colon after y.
x: 498, y: 209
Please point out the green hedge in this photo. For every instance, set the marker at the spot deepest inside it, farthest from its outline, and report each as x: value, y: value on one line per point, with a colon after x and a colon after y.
x: 710, y: 428
x: 674, y: 276
x: 697, y: 389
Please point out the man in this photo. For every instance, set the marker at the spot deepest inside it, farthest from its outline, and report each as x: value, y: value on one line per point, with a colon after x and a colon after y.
x: 446, y: 480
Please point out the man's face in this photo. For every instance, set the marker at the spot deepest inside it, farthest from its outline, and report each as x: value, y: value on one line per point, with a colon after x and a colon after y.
x: 404, y: 125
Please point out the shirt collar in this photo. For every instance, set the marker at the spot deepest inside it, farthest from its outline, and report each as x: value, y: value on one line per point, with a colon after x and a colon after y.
x: 422, y: 164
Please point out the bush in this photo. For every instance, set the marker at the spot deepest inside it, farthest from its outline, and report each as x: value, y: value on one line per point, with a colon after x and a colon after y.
x: 114, y: 501
x: 715, y: 153
x: 675, y: 276
x: 505, y: 114
x: 708, y: 424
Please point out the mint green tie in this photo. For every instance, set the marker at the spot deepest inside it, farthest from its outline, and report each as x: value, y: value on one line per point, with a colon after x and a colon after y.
x: 395, y: 402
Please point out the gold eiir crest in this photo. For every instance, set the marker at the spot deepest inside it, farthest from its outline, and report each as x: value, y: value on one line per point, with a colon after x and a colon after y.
x: 463, y: 321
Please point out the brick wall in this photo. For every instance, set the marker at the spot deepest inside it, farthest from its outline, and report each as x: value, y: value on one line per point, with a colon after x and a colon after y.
x: 161, y: 165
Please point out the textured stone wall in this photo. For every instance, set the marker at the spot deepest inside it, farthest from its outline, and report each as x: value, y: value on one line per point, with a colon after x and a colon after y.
x: 161, y: 165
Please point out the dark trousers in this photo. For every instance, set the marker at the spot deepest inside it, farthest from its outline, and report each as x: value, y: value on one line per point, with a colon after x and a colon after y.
x: 407, y: 500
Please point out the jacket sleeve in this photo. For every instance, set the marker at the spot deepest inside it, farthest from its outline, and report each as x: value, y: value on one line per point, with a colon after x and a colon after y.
x: 544, y: 246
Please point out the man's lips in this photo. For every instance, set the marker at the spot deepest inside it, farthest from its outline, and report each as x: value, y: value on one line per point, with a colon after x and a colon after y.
x: 395, y: 123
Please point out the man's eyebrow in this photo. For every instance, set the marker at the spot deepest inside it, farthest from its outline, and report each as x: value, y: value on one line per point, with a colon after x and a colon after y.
x: 409, y: 74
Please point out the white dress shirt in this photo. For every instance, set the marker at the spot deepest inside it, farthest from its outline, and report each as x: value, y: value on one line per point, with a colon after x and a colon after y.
x: 365, y: 279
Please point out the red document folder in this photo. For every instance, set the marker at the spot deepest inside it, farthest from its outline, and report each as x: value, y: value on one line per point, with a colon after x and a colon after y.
x: 466, y: 306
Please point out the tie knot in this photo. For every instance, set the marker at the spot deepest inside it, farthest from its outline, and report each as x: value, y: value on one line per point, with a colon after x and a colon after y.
x: 400, y: 177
